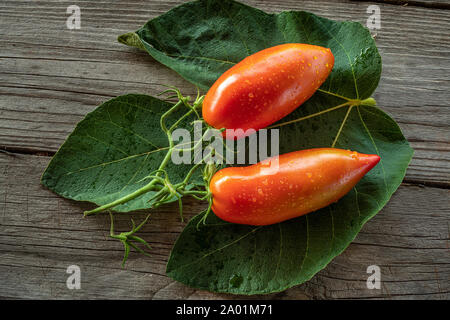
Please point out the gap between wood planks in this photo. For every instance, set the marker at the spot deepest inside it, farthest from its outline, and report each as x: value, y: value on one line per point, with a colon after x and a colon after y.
x: 422, y: 4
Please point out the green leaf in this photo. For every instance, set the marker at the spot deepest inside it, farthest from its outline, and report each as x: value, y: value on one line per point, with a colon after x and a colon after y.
x: 111, y: 150
x: 202, y: 39
x: 225, y: 257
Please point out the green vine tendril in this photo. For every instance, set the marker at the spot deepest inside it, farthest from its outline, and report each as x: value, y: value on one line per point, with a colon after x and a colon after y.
x: 127, y: 237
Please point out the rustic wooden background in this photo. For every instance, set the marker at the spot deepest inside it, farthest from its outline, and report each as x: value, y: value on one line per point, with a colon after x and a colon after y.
x: 50, y: 77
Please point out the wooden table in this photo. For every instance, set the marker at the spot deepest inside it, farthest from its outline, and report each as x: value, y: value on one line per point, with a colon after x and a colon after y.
x: 50, y: 77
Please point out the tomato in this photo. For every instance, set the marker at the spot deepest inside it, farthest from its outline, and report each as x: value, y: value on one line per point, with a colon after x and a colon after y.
x: 266, y: 86
x: 305, y: 181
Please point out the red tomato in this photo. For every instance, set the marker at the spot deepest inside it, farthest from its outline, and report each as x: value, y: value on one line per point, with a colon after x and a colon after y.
x: 266, y: 86
x: 305, y: 181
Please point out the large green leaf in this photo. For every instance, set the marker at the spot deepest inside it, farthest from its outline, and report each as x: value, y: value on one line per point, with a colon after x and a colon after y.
x: 202, y: 39
x: 111, y: 150
x: 239, y: 259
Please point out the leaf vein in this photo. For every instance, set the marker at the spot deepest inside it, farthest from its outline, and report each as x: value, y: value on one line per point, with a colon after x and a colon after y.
x: 376, y: 148
x: 220, y: 249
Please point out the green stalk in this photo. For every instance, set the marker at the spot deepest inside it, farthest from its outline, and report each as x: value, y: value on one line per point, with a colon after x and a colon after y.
x: 151, y: 184
x: 135, y: 194
x: 368, y: 102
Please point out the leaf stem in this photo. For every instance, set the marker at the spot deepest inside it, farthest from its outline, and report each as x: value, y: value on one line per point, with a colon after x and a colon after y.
x: 122, y: 200
x: 366, y: 102
x: 333, y: 94
x: 341, y: 127
x: 311, y: 115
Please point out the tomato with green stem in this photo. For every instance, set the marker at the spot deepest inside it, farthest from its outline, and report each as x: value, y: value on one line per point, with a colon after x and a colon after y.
x: 266, y: 86
x: 287, y: 186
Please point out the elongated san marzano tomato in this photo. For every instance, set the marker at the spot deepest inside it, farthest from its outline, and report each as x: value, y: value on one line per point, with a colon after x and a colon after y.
x: 266, y: 86
x: 305, y: 181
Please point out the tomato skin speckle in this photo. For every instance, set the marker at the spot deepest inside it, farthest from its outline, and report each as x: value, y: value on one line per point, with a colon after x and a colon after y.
x: 289, y: 192
x: 284, y: 76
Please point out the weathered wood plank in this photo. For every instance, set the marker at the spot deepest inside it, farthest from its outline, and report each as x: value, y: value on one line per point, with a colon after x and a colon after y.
x: 42, y: 234
x: 442, y: 4
x: 51, y: 78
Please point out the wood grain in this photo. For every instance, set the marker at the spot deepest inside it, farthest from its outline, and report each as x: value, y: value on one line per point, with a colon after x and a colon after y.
x: 50, y: 77
x: 442, y: 4
x: 42, y: 234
